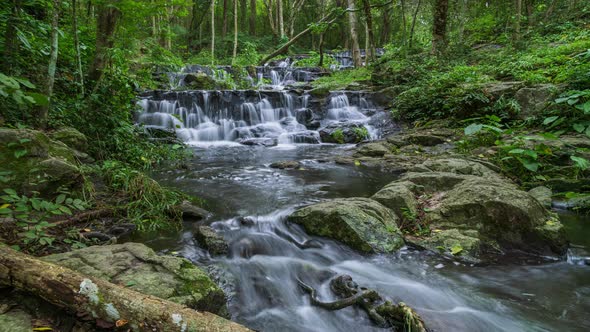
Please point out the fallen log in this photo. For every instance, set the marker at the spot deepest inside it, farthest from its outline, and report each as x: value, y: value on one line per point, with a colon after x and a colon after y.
x: 107, y: 303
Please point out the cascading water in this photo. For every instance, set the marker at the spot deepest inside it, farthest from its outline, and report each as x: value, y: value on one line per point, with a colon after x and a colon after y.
x: 248, y: 117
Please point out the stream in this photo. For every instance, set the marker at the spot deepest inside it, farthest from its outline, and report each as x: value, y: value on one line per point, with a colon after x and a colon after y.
x: 250, y: 202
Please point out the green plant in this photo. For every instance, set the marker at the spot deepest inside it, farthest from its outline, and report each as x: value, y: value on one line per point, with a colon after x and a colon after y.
x: 338, y: 136
x: 31, y: 214
x: 150, y: 206
x: 361, y: 133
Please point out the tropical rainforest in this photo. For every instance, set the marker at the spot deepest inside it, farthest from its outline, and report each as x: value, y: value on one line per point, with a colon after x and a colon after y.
x: 294, y: 165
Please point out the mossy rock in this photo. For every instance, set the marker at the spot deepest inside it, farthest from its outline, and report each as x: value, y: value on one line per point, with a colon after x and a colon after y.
x: 199, y: 81
x: 361, y: 223
x: 138, y: 267
x: 72, y: 138
x: 34, y: 162
x: 15, y: 321
x: 485, y: 216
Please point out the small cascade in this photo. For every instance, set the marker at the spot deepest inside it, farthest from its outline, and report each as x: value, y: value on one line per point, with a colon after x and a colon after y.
x: 256, y: 117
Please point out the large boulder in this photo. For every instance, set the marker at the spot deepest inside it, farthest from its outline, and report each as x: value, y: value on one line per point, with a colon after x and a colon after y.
x: 343, y: 132
x: 138, y: 267
x: 71, y: 137
x: 361, y: 223
x: 473, y: 217
x: 31, y: 161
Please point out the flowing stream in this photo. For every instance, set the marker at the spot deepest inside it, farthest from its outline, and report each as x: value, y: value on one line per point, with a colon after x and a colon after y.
x: 250, y: 202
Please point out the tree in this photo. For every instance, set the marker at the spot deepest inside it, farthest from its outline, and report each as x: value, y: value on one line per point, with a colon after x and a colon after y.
x: 280, y: 18
x: 235, y: 54
x: 370, y: 51
x: 517, y: 19
x: 51, y: 68
x: 10, y: 37
x: 212, y: 32
x: 77, y: 46
x: 253, y: 17
x: 356, y: 52
x: 106, y: 24
x: 439, y: 26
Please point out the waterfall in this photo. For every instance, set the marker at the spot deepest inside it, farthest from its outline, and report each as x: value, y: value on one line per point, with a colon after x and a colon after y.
x: 252, y: 117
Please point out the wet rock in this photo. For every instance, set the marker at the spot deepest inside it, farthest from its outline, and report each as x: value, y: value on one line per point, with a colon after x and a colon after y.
x: 304, y: 115
x: 137, y: 267
x: 71, y: 137
x: 304, y: 137
x: 37, y: 163
x: 210, y: 240
x: 264, y: 141
x: 543, y: 195
x: 191, y: 212
x: 343, y: 132
x: 199, y: 81
x: 287, y: 164
x: 373, y: 150
x: 361, y: 223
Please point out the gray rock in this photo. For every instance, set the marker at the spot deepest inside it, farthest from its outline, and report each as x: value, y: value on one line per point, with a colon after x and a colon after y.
x: 191, y: 212
x: 534, y: 99
x: 361, y: 223
x: 287, y: 164
x: 210, y: 240
x: 137, y: 267
x: 543, y: 195
x: 71, y: 137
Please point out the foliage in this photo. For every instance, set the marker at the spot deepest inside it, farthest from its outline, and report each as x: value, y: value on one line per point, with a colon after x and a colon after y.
x: 361, y: 133
x: 339, y: 80
x: 313, y: 60
x: 338, y: 136
x: 150, y: 206
x: 32, y: 215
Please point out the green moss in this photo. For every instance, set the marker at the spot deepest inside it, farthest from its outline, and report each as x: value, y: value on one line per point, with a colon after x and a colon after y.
x: 338, y: 136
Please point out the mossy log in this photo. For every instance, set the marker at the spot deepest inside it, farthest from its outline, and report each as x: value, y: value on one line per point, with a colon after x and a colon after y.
x: 99, y: 300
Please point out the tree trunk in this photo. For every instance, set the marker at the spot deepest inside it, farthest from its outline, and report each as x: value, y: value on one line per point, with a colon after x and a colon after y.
x: 77, y: 46
x: 386, y: 28
x: 281, y: 22
x: 517, y: 19
x: 253, y: 17
x: 212, y: 32
x: 370, y: 51
x: 52, y: 64
x: 235, y: 29
x: 356, y: 52
x: 224, y: 24
x: 89, y: 296
x: 106, y: 23
x: 10, y: 38
x: 271, y: 20
x: 439, y: 29
x: 199, y: 14
x: 414, y: 23
x: 404, y: 26
x: 243, y: 14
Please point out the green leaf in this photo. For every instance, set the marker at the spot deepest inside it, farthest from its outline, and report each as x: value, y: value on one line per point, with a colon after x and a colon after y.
x: 20, y: 153
x: 581, y: 163
x: 516, y: 151
x: 11, y: 192
x: 579, y: 127
x: 456, y: 249
x: 5, y: 211
x: 39, y: 99
x: 65, y: 210
x: 532, y: 166
x: 473, y: 129
x: 550, y: 119
x: 60, y: 199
